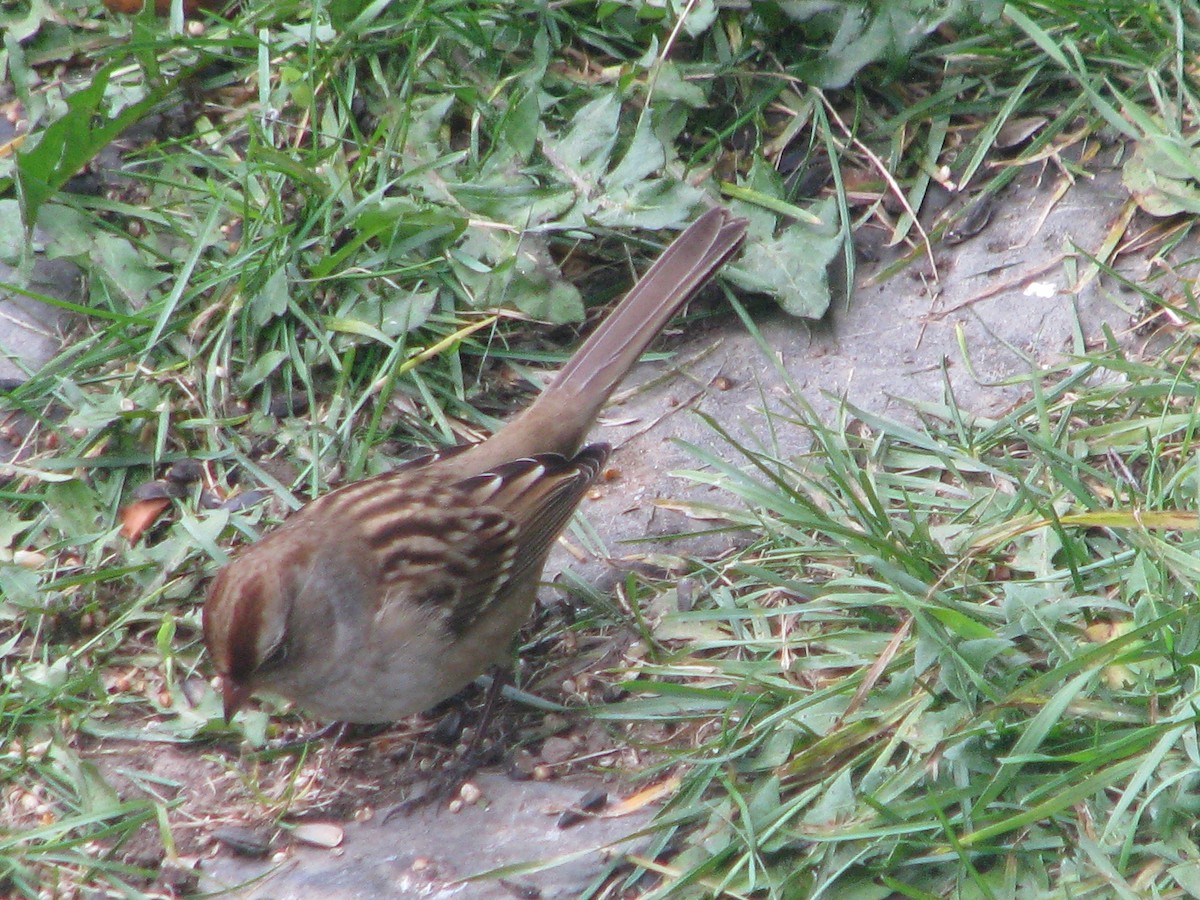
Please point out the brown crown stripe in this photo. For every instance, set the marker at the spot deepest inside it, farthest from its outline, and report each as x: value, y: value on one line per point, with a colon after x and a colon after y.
x: 244, y: 630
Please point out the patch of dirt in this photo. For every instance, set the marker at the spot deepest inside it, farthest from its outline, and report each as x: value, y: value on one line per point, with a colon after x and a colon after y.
x: 225, y: 798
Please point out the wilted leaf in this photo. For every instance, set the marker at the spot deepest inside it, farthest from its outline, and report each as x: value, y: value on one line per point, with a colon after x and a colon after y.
x: 1163, y: 176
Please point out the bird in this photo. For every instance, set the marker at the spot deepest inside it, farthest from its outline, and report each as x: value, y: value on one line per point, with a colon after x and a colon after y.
x: 388, y: 595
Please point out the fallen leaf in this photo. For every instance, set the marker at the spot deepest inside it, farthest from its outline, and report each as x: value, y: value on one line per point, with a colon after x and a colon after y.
x: 163, y: 7
x: 140, y: 515
x: 642, y: 798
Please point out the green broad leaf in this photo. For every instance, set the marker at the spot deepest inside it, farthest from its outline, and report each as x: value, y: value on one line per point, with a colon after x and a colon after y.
x: 583, y: 152
x: 124, y: 268
x: 72, y: 140
x: 618, y: 188
x: 271, y: 300
x: 95, y: 796
x: 75, y: 507
x: 10, y: 527
x: 20, y: 587
x: 400, y: 224
x: 791, y: 265
x: 545, y: 295
x: 69, y: 234
x: 401, y: 315
x: 857, y: 33
x: 262, y: 367
x: 700, y: 17
x: 21, y: 21
x: 498, y: 268
x: 359, y: 328
x: 12, y: 234
x: 519, y: 130
x: 669, y: 84
x: 650, y: 205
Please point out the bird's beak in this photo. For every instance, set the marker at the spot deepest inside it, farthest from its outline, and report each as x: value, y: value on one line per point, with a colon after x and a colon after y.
x: 234, y: 695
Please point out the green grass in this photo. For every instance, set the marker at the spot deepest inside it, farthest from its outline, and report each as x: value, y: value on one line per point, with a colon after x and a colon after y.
x: 956, y: 660
x: 960, y: 659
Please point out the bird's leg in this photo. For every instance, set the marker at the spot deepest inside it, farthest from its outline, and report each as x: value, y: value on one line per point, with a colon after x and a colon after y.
x: 451, y: 778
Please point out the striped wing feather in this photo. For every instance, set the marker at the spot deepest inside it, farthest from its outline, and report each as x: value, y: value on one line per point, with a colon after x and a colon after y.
x: 455, y: 546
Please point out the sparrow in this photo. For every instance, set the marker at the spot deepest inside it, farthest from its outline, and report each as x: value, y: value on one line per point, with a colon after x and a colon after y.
x: 385, y: 596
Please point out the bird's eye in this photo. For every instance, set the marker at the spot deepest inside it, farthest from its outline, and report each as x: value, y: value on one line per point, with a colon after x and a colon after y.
x: 275, y: 658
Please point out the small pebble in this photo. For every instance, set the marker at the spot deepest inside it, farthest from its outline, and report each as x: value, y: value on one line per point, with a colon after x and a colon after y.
x: 186, y: 471
x: 284, y: 405
x: 593, y: 800
x: 557, y: 750
x: 249, y: 842
x: 243, y: 500
x: 569, y: 817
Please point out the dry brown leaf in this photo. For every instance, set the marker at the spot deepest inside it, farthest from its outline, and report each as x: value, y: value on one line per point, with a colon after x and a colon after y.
x: 140, y: 515
x: 163, y: 7
x: 642, y: 798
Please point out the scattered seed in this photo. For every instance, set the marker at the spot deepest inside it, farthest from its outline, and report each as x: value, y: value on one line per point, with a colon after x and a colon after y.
x: 319, y: 834
x: 1017, y: 131
x: 454, y: 806
x: 470, y: 793
x: 685, y: 594
x: 28, y: 559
